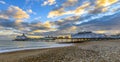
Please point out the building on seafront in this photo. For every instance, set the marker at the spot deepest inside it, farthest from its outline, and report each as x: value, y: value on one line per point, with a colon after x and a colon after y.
x: 115, y: 36
x: 23, y: 37
x: 88, y: 34
x: 64, y: 36
x: 60, y: 36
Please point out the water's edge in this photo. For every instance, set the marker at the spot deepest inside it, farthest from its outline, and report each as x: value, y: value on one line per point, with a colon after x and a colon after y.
x: 34, y: 48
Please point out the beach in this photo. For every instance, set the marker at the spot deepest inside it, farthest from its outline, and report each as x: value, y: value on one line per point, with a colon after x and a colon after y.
x: 93, y: 51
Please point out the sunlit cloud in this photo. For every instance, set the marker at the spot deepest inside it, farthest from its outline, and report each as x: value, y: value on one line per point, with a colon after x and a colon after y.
x: 12, y: 17
x: 19, y: 13
x: 61, y: 11
x: 101, y: 31
x: 56, y: 13
x: 43, y: 27
x: 39, y: 31
x: 49, y: 2
x: 103, y: 3
x: 14, y: 12
x: 104, y: 9
x: 108, y: 32
x: 81, y: 9
x: 18, y: 21
x: 47, y: 24
x: 30, y: 11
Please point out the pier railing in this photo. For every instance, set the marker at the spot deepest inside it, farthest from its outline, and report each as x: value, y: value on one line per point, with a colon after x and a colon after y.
x: 81, y: 39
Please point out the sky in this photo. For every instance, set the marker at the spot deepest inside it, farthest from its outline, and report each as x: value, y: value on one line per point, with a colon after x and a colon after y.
x: 37, y: 17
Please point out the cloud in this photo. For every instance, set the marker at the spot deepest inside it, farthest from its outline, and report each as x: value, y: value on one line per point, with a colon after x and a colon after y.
x: 101, y: 31
x: 13, y: 17
x: 103, y: 6
x: 56, y: 13
x: 81, y: 9
x: 49, y: 2
x: 44, y: 31
x: 98, y: 20
x: 2, y: 16
x: 104, y: 9
x: 2, y: 2
x: 6, y: 23
x: 7, y: 32
x: 109, y: 24
x: 14, y: 12
x: 70, y: 29
x: 39, y: 31
x: 37, y: 18
x: 103, y: 3
x: 66, y: 25
x: 108, y: 32
x: 90, y: 15
x: 43, y: 27
x: 70, y: 3
x: 18, y: 21
x: 67, y: 20
x: 61, y: 11
x: 18, y: 12
x: 47, y: 24
x: 30, y: 11
x: 71, y: 7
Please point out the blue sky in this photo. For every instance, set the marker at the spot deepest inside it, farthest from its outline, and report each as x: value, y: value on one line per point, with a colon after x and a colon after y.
x: 59, y: 16
x: 34, y: 5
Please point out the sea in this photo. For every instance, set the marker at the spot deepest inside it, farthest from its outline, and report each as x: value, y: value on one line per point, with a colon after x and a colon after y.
x: 10, y: 46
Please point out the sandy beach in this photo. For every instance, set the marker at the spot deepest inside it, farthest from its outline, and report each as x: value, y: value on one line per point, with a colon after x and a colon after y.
x: 94, y: 51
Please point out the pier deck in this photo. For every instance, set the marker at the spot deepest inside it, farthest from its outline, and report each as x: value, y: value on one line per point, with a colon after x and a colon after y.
x: 81, y: 39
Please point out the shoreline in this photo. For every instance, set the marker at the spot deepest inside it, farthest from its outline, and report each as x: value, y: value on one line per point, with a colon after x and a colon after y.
x: 95, y: 51
x: 34, y: 48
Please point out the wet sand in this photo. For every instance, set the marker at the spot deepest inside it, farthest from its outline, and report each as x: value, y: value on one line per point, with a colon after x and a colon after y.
x: 94, y: 51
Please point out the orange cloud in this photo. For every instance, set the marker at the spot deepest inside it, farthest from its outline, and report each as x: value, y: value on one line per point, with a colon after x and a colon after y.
x: 47, y: 24
x: 15, y: 13
x: 47, y: 27
x: 104, y: 9
x: 101, y: 31
x: 102, y: 3
x: 18, y: 13
x: 80, y: 10
x: 60, y: 12
x: 56, y: 13
x: 73, y: 28
x: 18, y: 21
x: 37, y: 31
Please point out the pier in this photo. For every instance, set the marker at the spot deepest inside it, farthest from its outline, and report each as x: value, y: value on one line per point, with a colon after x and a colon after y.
x: 74, y: 40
